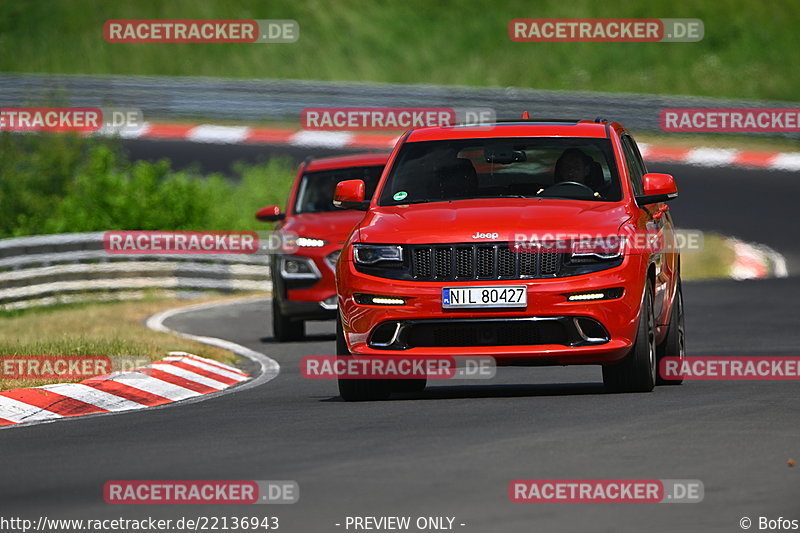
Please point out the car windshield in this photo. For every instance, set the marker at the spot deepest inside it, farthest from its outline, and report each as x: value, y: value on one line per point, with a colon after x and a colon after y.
x: 315, y: 194
x: 541, y: 167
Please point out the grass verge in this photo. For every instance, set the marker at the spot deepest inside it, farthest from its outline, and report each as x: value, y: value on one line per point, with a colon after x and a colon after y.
x: 755, y: 143
x: 110, y: 329
x: 749, y: 49
x: 712, y: 262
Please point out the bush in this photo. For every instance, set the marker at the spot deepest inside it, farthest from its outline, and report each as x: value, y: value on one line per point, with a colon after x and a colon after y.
x: 65, y: 183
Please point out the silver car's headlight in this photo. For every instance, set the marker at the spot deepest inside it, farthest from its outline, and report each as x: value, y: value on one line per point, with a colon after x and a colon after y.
x: 294, y: 267
x: 332, y: 257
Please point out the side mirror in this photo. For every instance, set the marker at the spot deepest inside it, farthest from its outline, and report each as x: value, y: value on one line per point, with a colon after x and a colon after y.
x: 657, y: 188
x: 349, y: 194
x: 271, y: 213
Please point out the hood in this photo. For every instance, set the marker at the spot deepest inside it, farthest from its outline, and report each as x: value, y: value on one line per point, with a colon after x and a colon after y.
x: 333, y: 226
x: 489, y: 220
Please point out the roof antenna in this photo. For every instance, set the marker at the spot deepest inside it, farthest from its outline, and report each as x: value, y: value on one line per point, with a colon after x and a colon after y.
x: 525, y: 115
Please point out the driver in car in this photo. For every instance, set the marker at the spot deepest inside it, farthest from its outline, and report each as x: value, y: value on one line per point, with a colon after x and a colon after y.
x: 575, y: 166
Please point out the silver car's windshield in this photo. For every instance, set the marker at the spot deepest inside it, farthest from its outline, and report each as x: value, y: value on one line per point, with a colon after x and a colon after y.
x: 315, y: 193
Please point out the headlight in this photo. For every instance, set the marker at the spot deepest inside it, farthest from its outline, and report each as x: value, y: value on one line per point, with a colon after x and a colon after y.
x: 603, y: 248
x: 293, y: 267
x: 332, y: 257
x: 308, y: 242
x: 369, y: 254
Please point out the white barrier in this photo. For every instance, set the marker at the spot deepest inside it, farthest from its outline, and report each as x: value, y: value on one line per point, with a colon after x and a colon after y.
x: 73, y: 267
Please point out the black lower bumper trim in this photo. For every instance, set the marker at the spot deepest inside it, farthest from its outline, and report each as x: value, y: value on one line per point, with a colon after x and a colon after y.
x: 477, y: 332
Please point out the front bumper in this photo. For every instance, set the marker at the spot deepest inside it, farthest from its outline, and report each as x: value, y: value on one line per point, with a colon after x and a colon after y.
x: 547, y: 332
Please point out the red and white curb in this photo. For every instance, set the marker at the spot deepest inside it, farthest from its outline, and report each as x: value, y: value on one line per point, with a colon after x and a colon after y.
x: 721, y: 157
x: 210, y: 133
x: 755, y: 261
x: 179, y: 378
x: 174, y: 378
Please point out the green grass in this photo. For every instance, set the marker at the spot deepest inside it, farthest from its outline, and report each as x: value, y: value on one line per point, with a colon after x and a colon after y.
x: 714, y: 261
x: 106, y: 329
x: 749, y: 50
x: 64, y: 183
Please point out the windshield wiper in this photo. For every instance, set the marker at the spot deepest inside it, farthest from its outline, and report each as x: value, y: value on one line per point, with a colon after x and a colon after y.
x: 488, y: 197
x: 432, y: 200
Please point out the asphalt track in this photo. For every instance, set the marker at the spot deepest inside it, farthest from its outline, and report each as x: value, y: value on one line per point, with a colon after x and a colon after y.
x: 453, y: 449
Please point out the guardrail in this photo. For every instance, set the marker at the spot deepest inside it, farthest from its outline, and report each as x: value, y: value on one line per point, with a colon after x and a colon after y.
x: 266, y: 99
x: 72, y: 267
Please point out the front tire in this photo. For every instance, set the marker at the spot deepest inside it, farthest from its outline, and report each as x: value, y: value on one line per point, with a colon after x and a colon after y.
x: 637, y: 372
x: 674, y: 345
x: 285, y: 329
x: 358, y: 390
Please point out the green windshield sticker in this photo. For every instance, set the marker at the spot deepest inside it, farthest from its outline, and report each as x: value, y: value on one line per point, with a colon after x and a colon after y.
x: 400, y: 196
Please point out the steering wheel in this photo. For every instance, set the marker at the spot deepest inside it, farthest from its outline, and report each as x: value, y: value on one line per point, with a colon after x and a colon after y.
x: 571, y: 184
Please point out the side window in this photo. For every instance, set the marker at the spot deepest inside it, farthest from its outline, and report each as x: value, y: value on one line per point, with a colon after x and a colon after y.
x: 634, y: 164
x: 637, y: 155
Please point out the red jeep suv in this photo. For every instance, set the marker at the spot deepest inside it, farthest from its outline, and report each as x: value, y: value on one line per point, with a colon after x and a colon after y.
x: 533, y: 242
x: 303, y: 282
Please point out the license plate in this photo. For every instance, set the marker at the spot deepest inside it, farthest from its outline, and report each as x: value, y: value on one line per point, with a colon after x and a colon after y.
x: 463, y: 297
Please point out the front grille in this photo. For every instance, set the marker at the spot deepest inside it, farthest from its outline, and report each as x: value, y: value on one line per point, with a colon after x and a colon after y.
x: 481, y: 262
x: 485, y: 262
x: 422, y: 262
x: 444, y: 262
x: 464, y: 263
x: 550, y: 263
x: 506, y: 262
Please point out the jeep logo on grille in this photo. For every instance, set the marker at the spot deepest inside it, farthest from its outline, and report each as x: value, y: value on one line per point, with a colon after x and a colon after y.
x: 479, y: 235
